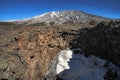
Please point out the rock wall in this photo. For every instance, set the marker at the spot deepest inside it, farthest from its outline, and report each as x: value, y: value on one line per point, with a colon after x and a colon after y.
x: 31, y: 50
x: 38, y: 49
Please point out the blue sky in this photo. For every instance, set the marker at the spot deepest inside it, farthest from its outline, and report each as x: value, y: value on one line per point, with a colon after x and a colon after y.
x: 20, y: 9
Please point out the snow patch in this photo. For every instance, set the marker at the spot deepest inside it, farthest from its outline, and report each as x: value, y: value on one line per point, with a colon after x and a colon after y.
x: 63, y: 60
x: 53, y: 14
x: 72, y: 66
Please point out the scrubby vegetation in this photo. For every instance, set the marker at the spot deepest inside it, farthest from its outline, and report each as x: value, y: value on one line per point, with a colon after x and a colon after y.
x: 51, y: 23
x: 6, y: 24
x: 92, y: 22
x: 38, y: 24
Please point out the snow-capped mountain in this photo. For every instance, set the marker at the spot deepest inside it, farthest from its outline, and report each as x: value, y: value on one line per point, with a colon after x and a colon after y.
x: 59, y: 17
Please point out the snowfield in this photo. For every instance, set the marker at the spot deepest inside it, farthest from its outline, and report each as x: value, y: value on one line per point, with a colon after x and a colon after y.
x: 75, y: 66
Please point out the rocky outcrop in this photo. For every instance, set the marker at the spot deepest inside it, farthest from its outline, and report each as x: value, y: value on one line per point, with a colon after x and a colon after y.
x: 30, y: 55
x: 30, y: 50
x: 101, y: 40
x: 38, y: 49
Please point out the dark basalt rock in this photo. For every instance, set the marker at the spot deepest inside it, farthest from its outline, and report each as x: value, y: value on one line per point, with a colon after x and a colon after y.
x: 102, y: 40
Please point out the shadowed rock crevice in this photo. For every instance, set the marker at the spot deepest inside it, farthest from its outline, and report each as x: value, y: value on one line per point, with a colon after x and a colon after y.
x: 102, y: 40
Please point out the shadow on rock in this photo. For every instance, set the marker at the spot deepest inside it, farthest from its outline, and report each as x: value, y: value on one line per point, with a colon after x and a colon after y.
x: 102, y: 40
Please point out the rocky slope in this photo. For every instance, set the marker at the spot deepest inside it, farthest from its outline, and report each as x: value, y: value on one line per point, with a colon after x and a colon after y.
x: 26, y: 53
x: 60, y: 17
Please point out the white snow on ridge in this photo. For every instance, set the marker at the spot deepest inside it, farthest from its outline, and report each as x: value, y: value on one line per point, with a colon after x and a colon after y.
x: 38, y: 16
x: 63, y: 60
x: 53, y: 14
x: 72, y: 66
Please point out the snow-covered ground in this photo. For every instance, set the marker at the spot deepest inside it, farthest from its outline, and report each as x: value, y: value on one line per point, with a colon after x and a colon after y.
x: 73, y: 66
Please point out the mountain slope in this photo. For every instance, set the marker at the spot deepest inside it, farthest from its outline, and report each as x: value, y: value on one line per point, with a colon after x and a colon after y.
x: 60, y: 17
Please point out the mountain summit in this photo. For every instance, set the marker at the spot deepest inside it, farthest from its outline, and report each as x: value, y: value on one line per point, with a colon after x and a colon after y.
x: 60, y: 17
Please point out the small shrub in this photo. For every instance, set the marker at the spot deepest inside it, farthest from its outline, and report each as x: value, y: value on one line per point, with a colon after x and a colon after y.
x: 51, y: 23
x: 43, y: 24
x: 92, y: 22
x: 8, y: 52
x: 1, y: 49
x: 69, y: 22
